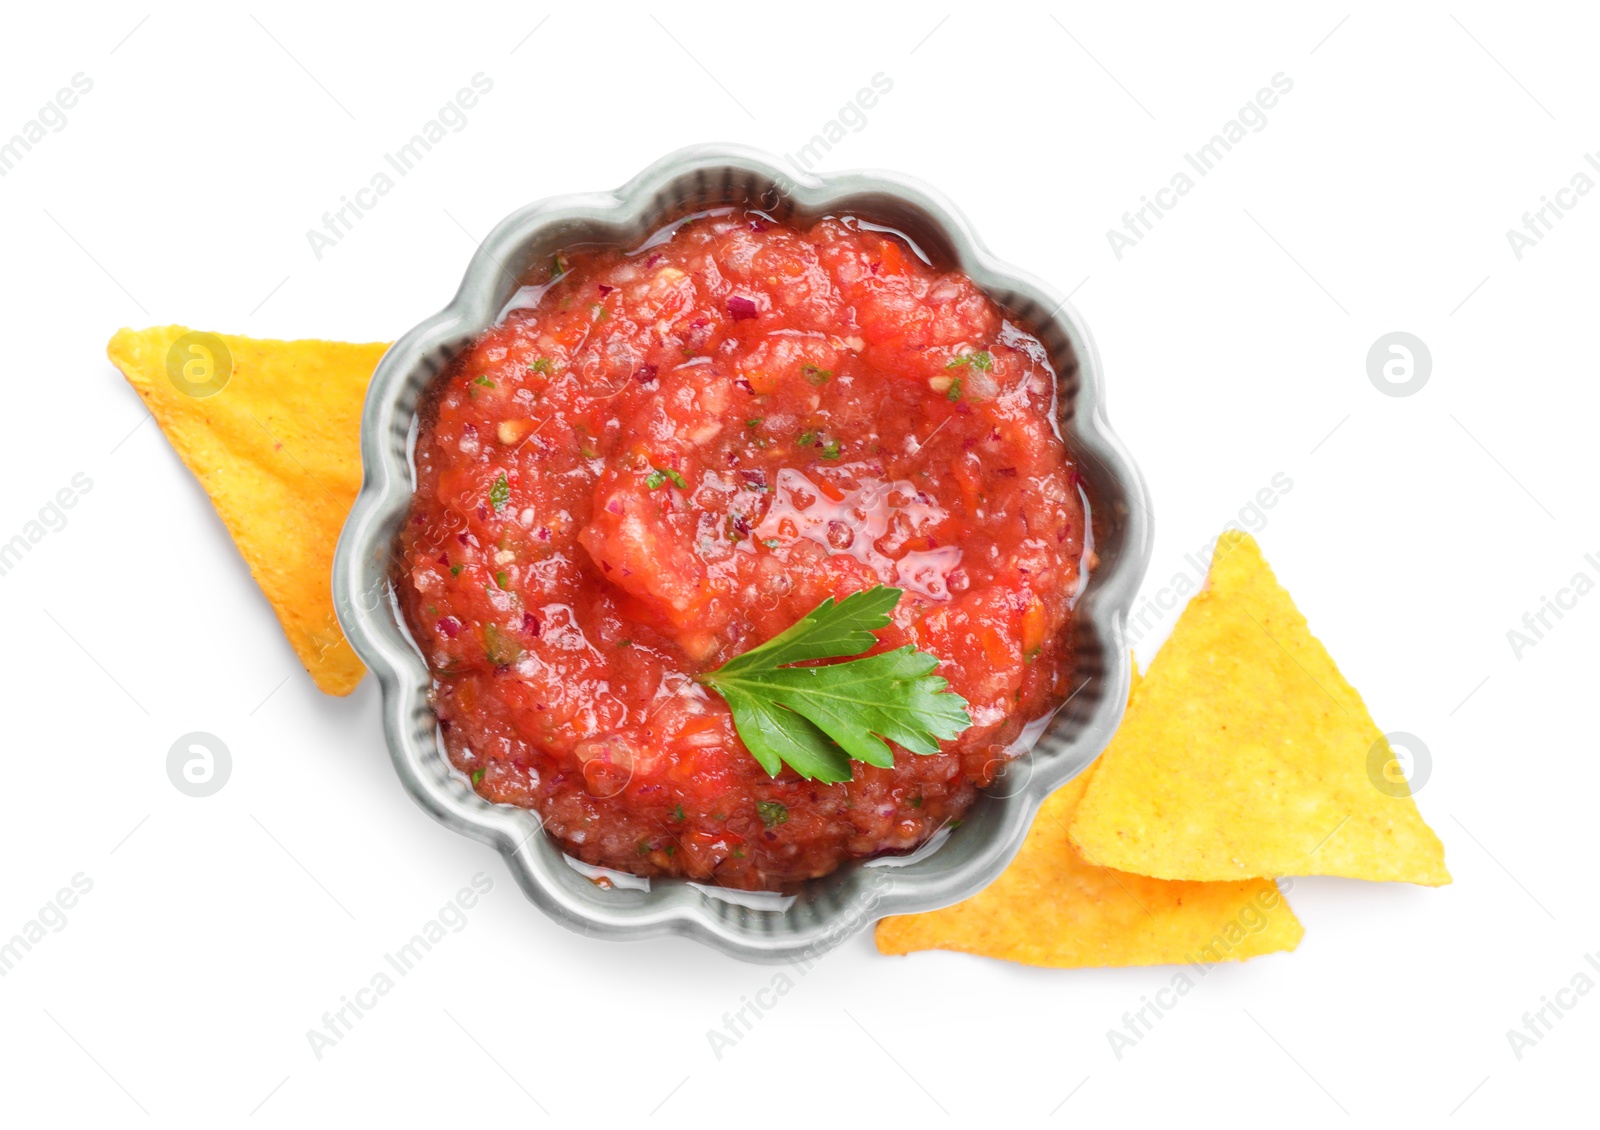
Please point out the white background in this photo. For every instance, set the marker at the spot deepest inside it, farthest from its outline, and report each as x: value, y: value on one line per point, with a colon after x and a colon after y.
x: 1418, y: 531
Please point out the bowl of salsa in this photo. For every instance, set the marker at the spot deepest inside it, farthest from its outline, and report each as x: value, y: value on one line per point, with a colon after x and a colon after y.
x: 622, y: 492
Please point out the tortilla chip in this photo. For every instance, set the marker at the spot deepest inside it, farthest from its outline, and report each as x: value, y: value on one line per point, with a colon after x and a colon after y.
x: 1248, y: 754
x: 272, y: 431
x: 1052, y: 907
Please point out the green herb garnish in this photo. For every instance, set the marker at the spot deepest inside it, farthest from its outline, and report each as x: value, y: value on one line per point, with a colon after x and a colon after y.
x: 484, y: 381
x: 772, y: 812
x: 477, y: 776
x: 455, y: 570
x: 981, y: 360
x: 500, y: 648
x: 503, y: 579
x: 677, y: 812
x: 955, y: 390
x: 830, y: 450
x: 816, y: 719
x: 541, y: 365
x: 660, y: 475
x: 500, y: 493
x: 816, y: 376
x: 808, y: 439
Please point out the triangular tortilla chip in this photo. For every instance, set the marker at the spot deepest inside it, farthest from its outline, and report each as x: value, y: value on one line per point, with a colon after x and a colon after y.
x: 1052, y: 907
x: 274, y: 437
x: 1248, y: 754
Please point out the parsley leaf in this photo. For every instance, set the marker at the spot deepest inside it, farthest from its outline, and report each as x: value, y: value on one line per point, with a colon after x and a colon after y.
x: 829, y: 631
x: 982, y: 360
x: 500, y: 648
x: 500, y: 493
x: 816, y: 719
x: 659, y: 475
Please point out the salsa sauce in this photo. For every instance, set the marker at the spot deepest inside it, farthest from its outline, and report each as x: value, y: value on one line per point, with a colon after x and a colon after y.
x: 672, y: 455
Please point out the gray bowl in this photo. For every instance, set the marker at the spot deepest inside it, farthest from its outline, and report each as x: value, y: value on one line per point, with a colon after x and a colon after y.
x: 760, y: 927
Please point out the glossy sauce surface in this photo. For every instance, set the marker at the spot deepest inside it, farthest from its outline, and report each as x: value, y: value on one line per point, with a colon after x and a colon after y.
x: 676, y: 452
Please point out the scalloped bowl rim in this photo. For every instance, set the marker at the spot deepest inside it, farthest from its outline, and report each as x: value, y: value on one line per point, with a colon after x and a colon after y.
x: 370, y: 617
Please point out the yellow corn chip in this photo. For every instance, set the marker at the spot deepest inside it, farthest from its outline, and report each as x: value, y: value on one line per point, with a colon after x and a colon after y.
x: 1249, y: 755
x: 272, y: 431
x: 1052, y: 907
